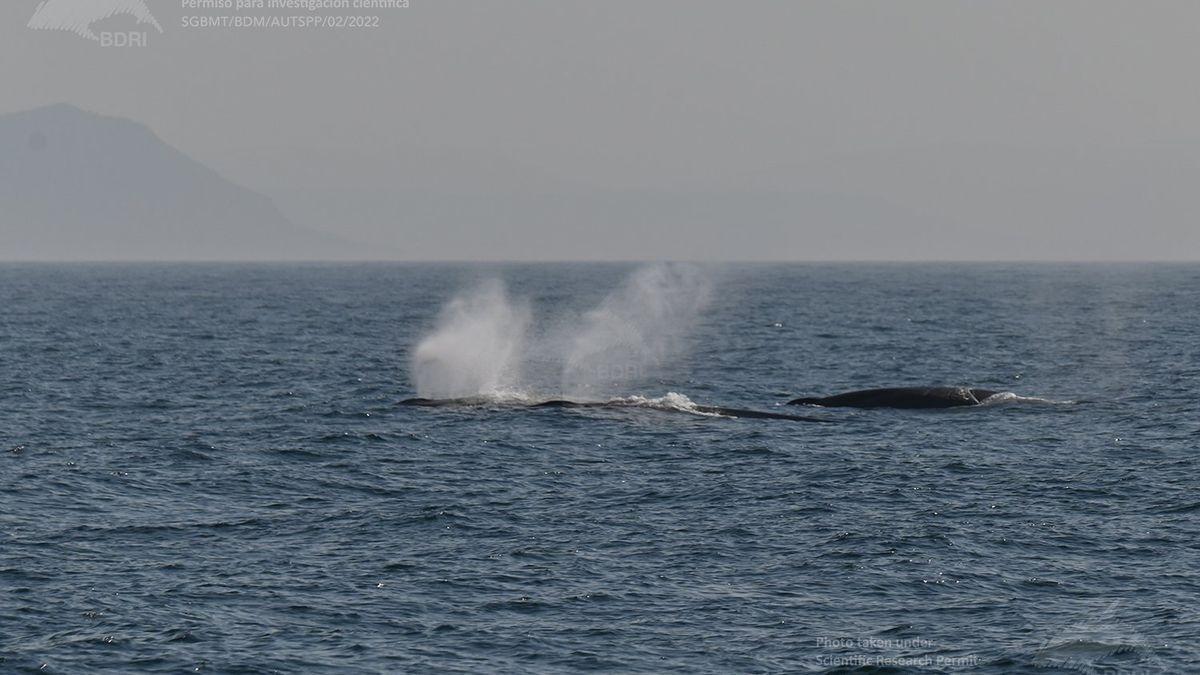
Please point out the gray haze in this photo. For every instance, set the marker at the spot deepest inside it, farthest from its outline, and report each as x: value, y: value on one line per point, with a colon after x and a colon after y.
x: 643, y: 129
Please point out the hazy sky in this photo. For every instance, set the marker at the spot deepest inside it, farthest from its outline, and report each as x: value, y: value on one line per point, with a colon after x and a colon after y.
x: 680, y: 129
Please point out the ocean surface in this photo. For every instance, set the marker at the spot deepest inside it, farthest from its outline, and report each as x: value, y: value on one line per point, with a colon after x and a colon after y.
x: 205, y: 468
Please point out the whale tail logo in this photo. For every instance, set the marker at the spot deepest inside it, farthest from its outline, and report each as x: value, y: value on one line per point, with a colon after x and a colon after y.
x: 78, y: 16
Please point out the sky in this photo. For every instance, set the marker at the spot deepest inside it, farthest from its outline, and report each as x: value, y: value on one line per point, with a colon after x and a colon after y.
x: 677, y: 129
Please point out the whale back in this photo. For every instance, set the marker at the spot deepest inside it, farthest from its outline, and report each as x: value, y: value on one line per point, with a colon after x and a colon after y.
x: 900, y: 397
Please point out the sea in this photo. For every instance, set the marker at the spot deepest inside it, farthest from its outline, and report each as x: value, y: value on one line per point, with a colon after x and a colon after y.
x: 210, y: 468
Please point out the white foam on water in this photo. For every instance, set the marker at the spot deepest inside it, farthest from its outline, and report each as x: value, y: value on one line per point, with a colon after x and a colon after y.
x: 1009, y: 398
x: 671, y: 401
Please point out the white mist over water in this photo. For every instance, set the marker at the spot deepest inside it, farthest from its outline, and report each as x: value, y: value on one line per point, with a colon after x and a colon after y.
x: 475, y: 350
x: 480, y: 344
x: 635, y: 330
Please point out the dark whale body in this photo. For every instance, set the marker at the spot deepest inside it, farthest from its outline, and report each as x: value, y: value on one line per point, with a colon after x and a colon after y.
x: 559, y: 403
x: 902, y: 397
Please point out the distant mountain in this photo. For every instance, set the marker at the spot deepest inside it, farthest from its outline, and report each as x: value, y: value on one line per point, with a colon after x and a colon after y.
x: 79, y: 186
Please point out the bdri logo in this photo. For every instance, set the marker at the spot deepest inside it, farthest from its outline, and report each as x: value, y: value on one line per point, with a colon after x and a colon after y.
x: 1099, y: 641
x: 78, y: 16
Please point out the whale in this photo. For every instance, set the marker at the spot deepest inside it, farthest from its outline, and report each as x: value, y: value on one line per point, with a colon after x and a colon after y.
x: 617, y: 404
x: 901, y: 397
